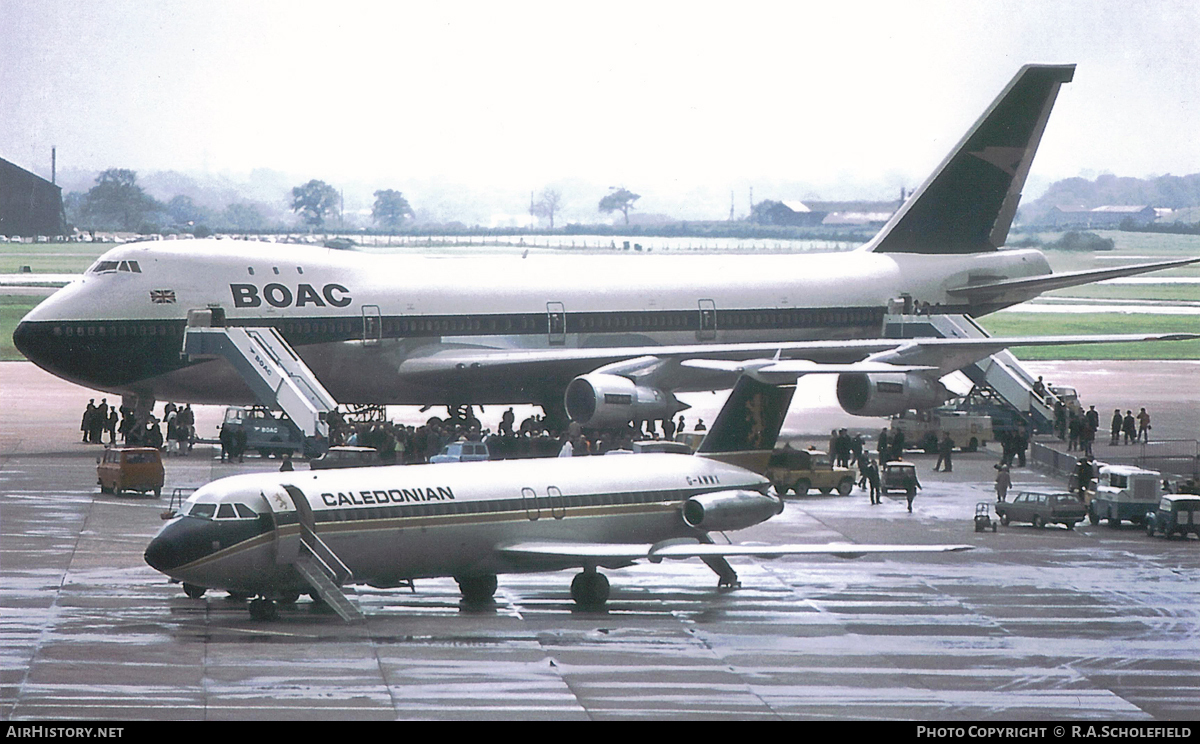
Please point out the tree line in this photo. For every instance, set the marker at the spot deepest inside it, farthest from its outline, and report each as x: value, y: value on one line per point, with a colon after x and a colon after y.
x: 118, y: 203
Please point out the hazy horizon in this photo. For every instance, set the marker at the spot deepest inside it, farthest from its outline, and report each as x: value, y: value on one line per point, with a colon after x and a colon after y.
x: 469, y: 107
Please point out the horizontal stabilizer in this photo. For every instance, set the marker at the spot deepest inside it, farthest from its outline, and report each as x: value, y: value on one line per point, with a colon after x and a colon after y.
x: 1038, y: 284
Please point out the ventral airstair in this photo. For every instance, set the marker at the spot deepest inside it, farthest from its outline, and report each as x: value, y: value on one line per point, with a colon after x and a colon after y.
x: 307, y: 553
x: 269, y: 366
x: 1000, y: 375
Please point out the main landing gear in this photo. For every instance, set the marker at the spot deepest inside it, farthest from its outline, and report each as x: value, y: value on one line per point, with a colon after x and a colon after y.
x: 590, y: 589
x: 477, y: 590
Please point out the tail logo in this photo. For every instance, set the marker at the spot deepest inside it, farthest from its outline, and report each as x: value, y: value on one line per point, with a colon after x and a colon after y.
x: 754, y: 417
x: 1005, y: 158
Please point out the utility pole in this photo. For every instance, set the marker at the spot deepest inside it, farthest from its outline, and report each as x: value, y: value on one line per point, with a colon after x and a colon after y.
x: 54, y: 165
x: 731, y: 205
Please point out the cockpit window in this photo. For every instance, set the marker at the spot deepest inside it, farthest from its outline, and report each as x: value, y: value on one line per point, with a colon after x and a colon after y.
x: 204, y: 511
x: 225, y: 511
x: 105, y: 267
x: 245, y: 511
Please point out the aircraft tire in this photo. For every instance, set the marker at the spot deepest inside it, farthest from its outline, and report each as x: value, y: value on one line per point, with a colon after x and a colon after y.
x: 590, y: 589
x: 477, y: 589
x: 263, y: 609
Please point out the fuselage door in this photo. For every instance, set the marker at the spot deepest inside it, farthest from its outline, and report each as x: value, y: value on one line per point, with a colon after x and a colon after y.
x: 372, y: 325
x: 708, y: 321
x: 556, y: 502
x: 529, y: 500
x: 556, y: 316
x: 287, y: 532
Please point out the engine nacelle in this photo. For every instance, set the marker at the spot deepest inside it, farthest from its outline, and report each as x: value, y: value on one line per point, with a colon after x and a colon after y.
x: 729, y: 510
x: 888, y: 393
x: 601, y: 400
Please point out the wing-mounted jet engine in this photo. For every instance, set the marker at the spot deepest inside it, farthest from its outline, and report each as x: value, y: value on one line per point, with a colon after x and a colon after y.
x: 889, y: 393
x: 603, y: 400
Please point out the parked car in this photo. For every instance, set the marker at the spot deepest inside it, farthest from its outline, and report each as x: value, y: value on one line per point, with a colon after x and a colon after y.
x: 346, y: 457
x: 1042, y: 508
x: 462, y: 452
x: 801, y: 470
x: 1177, y: 514
x: 1123, y: 492
x: 124, y: 469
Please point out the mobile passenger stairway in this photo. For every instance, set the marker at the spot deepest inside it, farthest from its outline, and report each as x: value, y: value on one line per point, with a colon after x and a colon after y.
x: 280, y: 379
x: 270, y: 367
x: 998, y: 377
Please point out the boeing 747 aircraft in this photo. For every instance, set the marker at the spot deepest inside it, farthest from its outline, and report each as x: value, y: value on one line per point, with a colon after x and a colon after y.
x: 274, y: 536
x: 607, y: 339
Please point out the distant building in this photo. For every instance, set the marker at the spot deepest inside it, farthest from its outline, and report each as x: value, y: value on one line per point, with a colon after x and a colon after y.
x: 1100, y: 217
x: 826, y: 213
x: 29, y: 204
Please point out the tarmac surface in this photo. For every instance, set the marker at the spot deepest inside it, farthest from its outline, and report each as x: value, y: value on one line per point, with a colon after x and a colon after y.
x: 1048, y: 624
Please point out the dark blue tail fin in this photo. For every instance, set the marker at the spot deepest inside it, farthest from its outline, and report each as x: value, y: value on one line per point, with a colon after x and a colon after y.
x: 969, y: 202
x: 748, y: 425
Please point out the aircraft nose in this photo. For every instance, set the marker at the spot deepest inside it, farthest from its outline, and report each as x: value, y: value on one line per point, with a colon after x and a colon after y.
x: 25, y: 338
x: 181, y: 542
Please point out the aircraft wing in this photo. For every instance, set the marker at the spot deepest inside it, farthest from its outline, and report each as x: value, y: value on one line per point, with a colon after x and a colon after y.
x: 584, y: 553
x: 1037, y: 284
x: 676, y: 367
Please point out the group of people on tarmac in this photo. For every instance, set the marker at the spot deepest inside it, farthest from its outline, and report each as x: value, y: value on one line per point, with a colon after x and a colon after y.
x: 99, y: 419
x: 1134, y: 428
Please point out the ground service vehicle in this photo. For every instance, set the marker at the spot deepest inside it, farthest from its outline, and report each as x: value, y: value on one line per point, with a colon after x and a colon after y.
x: 801, y: 470
x: 1177, y: 514
x: 462, y: 452
x: 1123, y: 492
x: 124, y: 469
x: 346, y: 457
x: 267, y: 431
x: 1042, y: 508
x: 925, y: 429
x: 896, y: 477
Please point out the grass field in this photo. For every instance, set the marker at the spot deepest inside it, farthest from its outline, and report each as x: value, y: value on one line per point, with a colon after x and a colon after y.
x: 1069, y: 324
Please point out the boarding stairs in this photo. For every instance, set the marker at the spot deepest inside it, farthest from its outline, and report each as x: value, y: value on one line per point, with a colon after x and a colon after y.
x: 275, y: 373
x: 306, y: 552
x: 326, y: 573
x: 1000, y: 373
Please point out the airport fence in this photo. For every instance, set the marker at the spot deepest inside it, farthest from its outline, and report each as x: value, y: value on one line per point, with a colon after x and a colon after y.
x: 1048, y: 458
x: 1179, y: 458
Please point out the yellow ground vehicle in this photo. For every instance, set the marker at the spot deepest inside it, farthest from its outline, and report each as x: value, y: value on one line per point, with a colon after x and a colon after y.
x: 130, y: 469
x: 925, y: 429
x: 801, y: 470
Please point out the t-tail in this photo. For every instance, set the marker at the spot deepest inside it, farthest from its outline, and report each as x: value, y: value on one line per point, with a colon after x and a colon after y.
x: 967, y: 205
x: 748, y: 425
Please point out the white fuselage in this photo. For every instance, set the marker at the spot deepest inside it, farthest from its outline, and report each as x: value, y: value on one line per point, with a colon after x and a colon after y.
x: 391, y: 524
x: 358, y: 318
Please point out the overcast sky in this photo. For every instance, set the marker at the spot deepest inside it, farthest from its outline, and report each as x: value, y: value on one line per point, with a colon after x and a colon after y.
x: 652, y: 95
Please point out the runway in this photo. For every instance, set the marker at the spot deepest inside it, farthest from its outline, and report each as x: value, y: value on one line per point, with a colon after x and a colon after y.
x: 1043, y: 624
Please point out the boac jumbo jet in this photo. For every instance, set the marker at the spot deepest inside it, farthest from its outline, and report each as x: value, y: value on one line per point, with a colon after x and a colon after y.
x: 274, y: 536
x: 610, y: 339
